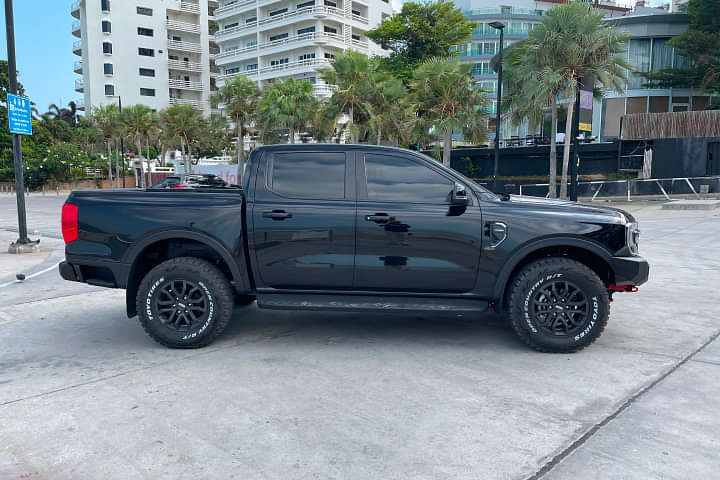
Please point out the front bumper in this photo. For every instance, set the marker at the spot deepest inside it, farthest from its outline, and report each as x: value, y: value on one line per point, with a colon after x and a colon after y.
x: 630, y: 270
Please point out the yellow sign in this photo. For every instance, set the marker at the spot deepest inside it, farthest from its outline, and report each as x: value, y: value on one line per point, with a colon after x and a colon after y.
x: 587, y: 127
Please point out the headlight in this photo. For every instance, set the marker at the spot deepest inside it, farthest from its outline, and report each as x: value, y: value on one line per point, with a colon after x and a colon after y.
x: 632, y: 236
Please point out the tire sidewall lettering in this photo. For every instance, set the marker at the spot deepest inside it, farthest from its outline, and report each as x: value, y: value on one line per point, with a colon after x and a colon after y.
x: 211, y: 308
x: 526, y: 303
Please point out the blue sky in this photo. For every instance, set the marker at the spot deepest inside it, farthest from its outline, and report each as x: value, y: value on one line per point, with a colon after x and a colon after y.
x: 43, y: 45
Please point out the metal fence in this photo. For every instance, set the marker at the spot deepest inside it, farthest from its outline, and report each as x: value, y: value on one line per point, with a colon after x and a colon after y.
x: 695, y: 186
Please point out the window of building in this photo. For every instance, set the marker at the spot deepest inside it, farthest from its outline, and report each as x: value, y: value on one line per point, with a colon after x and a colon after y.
x: 230, y: 71
x: 107, y: 48
x: 251, y: 43
x: 327, y: 29
x: 230, y: 25
x: 106, y: 26
x: 108, y: 68
x: 145, y: 32
x: 252, y: 66
x: 144, y: 11
x: 278, y: 37
x: 306, y: 56
x: 398, y: 179
x: 147, y: 92
x: 280, y: 61
x: 176, y: 38
x: 639, y: 58
x: 146, y: 52
x: 329, y: 3
x: 355, y: 37
x: 279, y: 11
x: 303, y: 31
x: 109, y: 90
x: 329, y: 56
x: 356, y: 12
x: 295, y: 175
x: 251, y: 20
x: 105, y: 5
x: 311, y: 3
x: 147, y: 72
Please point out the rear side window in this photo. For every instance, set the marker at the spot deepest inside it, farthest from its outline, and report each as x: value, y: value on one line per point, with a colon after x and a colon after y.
x: 310, y: 175
x: 393, y: 178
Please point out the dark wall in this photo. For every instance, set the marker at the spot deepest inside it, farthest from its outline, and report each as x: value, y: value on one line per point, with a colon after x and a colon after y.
x: 680, y: 157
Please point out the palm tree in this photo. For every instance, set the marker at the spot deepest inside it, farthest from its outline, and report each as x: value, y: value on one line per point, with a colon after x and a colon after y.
x: 287, y: 105
x: 136, y: 121
x: 69, y: 115
x: 352, y: 73
x: 239, y: 98
x: 571, y: 43
x: 448, y: 100
x: 183, y: 122
x: 106, y: 119
x: 323, y: 120
x: 388, y: 93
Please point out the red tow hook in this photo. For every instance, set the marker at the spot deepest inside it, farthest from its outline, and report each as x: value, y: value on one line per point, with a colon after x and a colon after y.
x: 621, y: 288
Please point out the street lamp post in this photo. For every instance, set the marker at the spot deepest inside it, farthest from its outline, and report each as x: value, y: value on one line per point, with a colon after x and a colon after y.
x: 498, y: 26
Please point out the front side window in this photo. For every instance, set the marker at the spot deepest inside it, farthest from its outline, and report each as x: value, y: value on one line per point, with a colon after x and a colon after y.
x: 308, y: 175
x: 392, y: 178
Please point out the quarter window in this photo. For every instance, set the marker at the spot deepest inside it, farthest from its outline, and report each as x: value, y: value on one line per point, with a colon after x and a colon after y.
x: 398, y: 179
x: 295, y: 175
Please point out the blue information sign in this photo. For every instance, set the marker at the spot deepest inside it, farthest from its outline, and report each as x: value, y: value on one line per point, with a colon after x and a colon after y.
x: 19, y: 114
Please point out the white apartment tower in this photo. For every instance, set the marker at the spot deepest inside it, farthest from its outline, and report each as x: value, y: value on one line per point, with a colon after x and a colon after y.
x: 151, y: 52
x: 279, y: 39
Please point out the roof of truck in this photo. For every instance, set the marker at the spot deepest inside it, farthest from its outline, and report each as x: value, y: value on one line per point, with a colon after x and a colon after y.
x: 331, y: 146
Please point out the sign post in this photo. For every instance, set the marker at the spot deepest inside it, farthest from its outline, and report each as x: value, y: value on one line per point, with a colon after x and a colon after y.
x: 20, y: 124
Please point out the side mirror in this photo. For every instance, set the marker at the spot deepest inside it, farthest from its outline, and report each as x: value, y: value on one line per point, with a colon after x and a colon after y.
x: 459, y: 195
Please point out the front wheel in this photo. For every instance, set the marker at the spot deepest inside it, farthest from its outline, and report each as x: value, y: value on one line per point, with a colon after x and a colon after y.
x: 558, y: 305
x: 184, y: 302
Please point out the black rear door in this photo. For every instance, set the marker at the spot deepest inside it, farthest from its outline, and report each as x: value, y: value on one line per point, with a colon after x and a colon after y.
x: 303, y: 218
x: 409, y: 237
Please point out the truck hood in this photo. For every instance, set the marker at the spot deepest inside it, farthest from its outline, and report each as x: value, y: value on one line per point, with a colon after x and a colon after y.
x: 610, y: 214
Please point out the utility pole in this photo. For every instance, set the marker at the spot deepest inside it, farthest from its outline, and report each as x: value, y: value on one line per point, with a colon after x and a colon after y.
x: 496, y: 167
x: 23, y: 243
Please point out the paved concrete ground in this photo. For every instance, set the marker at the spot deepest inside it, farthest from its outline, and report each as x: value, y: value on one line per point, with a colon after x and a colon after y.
x: 85, y: 394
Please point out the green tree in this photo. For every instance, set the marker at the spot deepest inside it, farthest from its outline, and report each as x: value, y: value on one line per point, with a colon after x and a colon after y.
x: 382, y: 106
x: 137, y: 123
x: 571, y: 42
x: 239, y: 98
x: 420, y: 31
x: 352, y: 73
x: 446, y: 95
x: 106, y: 119
x: 323, y: 120
x: 287, y: 105
x: 184, y: 123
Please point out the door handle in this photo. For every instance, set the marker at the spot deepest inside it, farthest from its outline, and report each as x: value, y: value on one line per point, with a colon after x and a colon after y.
x: 277, y: 215
x: 379, y: 218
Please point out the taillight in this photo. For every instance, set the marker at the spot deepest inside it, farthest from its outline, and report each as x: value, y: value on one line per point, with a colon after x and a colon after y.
x: 69, y: 222
x: 178, y: 185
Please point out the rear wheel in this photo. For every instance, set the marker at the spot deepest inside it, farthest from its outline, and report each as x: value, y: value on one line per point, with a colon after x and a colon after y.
x: 184, y: 302
x: 558, y: 305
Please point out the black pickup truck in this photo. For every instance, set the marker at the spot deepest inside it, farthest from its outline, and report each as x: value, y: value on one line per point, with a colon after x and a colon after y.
x: 352, y: 228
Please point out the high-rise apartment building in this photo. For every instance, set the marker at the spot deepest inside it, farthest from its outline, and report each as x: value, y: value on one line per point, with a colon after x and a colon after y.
x: 151, y: 52
x: 279, y: 39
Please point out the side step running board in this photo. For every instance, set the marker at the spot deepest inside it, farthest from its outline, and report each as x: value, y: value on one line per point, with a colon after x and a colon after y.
x: 360, y: 303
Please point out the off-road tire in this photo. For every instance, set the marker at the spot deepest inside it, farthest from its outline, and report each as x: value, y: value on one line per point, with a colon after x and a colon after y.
x: 213, y: 287
x: 529, y: 285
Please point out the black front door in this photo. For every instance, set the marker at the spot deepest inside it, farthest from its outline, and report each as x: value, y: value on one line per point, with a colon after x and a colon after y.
x: 304, y: 220
x: 409, y: 237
